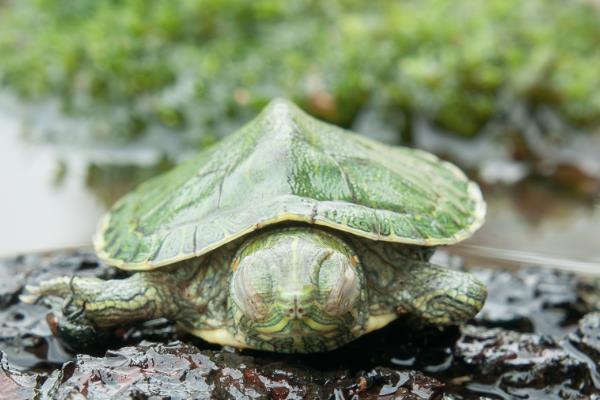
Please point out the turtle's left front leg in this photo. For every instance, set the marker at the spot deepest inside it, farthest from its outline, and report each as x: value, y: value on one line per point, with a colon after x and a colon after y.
x: 439, y: 295
x: 401, y: 280
x: 142, y: 296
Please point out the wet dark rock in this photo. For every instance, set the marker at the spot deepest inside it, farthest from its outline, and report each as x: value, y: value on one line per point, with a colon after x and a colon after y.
x: 17, y: 269
x: 180, y: 371
x: 25, y: 336
x: 31, y: 269
x: 17, y: 385
x: 587, y: 336
x: 584, y: 344
x: 589, y: 292
x: 532, y: 299
x: 525, y: 344
x: 521, y: 363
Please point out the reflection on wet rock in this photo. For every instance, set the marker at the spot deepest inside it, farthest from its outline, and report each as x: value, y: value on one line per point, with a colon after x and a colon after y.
x: 587, y: 335
x: 531, y: 299
x: 180, y: 371
x: 522, y: 363
x: 532, y: 340
x: 17, y: 385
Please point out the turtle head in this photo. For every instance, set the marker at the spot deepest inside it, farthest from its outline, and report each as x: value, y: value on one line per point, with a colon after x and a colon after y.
x: 297, y: 290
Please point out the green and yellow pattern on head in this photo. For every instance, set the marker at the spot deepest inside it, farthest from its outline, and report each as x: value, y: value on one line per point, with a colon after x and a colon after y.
x: 297, y: 290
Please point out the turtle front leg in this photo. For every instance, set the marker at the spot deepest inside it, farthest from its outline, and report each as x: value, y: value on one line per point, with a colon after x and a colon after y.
x: 439, y: 295
x: 108, y: 303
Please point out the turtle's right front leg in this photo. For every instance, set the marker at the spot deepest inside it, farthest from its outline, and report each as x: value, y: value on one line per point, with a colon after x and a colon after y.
x: 142, y: 296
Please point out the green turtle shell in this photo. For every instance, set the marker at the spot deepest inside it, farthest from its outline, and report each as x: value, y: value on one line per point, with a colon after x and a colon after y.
x: 287, y: 166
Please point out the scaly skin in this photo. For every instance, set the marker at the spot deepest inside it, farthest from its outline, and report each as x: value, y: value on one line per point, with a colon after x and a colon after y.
x: 400, y: 279
x: 296, y: 290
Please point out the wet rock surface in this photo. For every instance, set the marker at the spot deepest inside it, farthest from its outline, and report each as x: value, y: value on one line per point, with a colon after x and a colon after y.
x: 17, y: 385
x: 538, y: 337
x: 25, y: 336
x: 587, y: 336
x: 521, y: 364
x: 180, y: 371
x: 532, y: 299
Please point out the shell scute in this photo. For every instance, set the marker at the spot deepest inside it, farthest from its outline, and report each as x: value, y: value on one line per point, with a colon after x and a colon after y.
x: 287, y: 166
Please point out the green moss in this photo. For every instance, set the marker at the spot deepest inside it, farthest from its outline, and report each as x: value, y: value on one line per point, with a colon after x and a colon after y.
x: 204, y: 67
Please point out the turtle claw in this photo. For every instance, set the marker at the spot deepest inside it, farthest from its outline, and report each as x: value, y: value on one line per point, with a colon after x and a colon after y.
x: 46, y: 293
x: 32, y: 295
x: 69, y: 300
x: 76, y: 313
x: 35, y: 295
x: 72, y: 328
x: 30, y: 298
x: 60, y: 287
x: 34, y: 290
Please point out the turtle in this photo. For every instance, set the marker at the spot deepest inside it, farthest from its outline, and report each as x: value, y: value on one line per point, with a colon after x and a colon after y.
x: 290, y: 235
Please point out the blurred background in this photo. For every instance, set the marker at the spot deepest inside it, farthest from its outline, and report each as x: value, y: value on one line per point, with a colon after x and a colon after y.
x: 96, y: 96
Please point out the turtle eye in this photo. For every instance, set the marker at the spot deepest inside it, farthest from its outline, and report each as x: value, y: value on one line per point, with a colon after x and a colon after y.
x: 250, y: 287
x: 339, y: 283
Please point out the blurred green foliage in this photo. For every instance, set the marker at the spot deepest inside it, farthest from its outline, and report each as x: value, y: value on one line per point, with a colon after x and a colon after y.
x: 108, y: 182
x: 202, y: 68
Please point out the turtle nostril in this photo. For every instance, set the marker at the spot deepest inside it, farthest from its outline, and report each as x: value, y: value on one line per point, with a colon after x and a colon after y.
x: 301, y: 310
x: 291, y: 310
